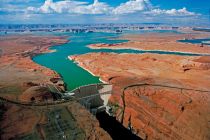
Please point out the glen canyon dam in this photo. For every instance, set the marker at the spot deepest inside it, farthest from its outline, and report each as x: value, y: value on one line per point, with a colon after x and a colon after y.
x: 104, y: 70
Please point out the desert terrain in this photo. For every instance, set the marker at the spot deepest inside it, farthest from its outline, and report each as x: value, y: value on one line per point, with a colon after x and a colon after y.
x: 159, y: 41
x: 156, y: 96
x: 23, y: 81
x: 18, y: 71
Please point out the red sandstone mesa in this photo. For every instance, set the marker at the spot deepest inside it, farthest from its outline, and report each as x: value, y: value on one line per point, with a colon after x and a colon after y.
x: 158, y: 41
x: 155, y: 112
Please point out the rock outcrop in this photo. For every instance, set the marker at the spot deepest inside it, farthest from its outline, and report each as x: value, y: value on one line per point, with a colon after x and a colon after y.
x: 36, y: 94
x: 167, y: 113
x: 202, y: 63
x: 155, y: 112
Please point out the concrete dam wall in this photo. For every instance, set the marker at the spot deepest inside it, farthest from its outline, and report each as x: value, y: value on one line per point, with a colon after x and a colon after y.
x: 94, y: 97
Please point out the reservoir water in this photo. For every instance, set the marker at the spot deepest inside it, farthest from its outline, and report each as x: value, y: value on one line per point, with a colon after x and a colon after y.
x: 73, y: 75
x: 205, y: 41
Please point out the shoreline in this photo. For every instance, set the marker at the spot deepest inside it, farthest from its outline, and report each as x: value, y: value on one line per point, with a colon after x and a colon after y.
x: 81, y: 66
x: 130, y: 48
x: 47, y: 49
x: 18, y: 60
x: 173, y: 70
x: 30, y: 80
x: 158, y: 42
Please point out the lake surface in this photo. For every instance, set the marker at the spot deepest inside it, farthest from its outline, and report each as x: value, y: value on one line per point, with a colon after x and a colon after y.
x: 205, y: 41
x: 73, y: 75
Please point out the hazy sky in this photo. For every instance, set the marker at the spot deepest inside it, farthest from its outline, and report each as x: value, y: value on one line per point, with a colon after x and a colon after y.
x: 183, y: 12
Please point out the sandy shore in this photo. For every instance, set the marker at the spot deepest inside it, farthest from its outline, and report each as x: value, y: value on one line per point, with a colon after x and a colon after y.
x: 159, y: 42
x: 80, y: 64
x: 159, y: 107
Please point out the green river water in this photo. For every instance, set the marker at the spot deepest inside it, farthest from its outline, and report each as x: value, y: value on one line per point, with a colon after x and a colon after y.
x: 73, y: 75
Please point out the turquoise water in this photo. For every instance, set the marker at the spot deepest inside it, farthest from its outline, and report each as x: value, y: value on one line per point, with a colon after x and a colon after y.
x: 151, y: 31
x: 196, y: 41
x: 73, y: 75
